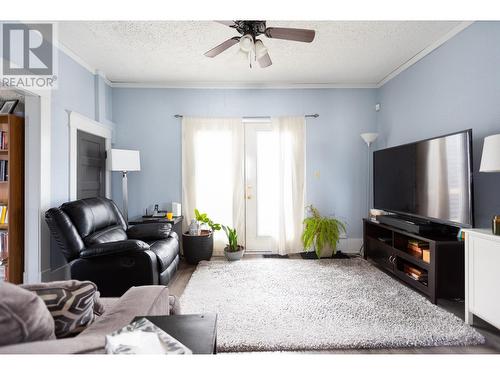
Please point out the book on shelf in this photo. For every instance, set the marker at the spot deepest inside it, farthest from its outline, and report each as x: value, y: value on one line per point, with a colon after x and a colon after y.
x: 415, y: 273
x: 417, y: 277
x: 418, y: 244
x: 415, y: 252
x: 4, y: 257
x: 4, y: 140
x: 426, y: 256
x: 417, y: 248
x: 4, y: 170
x: 4, y: 243
x: 4, y: 210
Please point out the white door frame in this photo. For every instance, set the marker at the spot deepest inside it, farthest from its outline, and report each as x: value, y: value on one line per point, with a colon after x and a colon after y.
x: 37, y: 180
x: 77, y: 122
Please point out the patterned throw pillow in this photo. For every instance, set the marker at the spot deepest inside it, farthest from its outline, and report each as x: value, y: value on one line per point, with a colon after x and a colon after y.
x: 71, y: 303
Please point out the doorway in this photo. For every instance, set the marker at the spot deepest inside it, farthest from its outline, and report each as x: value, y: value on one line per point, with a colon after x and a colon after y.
x: 253, y: 179
x: 91, y: 166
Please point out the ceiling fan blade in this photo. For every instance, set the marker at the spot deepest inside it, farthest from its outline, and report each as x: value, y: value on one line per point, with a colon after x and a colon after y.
x: 265, y: 61
x: 227, y: 23
x: 299, y: 35
x: 222, y: 47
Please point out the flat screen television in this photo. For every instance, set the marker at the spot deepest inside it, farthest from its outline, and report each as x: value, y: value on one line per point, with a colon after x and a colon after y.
x: 429, y: 179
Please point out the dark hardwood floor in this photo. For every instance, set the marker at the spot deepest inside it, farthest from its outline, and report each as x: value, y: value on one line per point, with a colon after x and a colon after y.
x: 492, y: 335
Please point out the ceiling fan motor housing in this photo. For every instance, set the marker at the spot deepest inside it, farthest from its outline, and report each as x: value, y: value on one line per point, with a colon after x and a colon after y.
x: 253, y: 28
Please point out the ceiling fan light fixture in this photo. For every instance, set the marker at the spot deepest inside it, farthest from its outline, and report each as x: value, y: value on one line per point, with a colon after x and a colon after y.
x: 260, y: 49
x: 246, y: 43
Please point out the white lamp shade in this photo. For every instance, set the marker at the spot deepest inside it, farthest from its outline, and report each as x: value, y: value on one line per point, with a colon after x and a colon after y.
x: 246, y: 43
x: 490, y: 160
x: 260, y: 49
x: 369, y: 138
x: 125, y: 160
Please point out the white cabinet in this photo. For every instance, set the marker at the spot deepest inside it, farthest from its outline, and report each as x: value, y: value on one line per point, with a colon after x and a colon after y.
x: 482, y: 276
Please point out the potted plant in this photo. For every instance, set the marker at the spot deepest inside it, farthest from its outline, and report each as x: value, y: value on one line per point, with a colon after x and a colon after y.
x: 200, y: 246
x: 208, y: 226
x: 232, y: 251
x: 321, y: 232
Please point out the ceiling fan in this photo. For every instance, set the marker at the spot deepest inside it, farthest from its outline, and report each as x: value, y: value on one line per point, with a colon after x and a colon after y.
x: 254, y: 47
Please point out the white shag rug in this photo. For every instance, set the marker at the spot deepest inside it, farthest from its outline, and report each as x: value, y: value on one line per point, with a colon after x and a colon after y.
x: 294, y: 304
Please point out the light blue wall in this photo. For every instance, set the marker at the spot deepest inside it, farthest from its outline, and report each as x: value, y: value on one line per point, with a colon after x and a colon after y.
x: 455, y: 87
x: 81, y: 91
x: 75, y: 92
x: 103, y: 101
x: 145, y: 121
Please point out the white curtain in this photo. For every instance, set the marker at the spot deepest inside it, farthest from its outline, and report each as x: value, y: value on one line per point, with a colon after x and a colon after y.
x: 291, y: 133
x: 213, y: 173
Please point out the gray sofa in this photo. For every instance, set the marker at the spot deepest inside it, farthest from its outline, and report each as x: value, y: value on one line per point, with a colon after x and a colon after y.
x: 137, y: 301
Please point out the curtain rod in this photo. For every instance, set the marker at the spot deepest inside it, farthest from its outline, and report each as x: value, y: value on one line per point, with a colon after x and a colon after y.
x: 315, y: 115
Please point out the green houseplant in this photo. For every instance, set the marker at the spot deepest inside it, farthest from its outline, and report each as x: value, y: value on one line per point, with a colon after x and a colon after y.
x: 204, y: 220
x: 200, y: 247
x: 321, y: 232
x: 232, y: 251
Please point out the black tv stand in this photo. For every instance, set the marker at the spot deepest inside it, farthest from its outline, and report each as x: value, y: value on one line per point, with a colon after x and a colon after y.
x: 443, y: 271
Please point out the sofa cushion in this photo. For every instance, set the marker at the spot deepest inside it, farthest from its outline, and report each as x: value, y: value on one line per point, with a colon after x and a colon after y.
x: 110, y: 234
x: 74, y: 345
x: 23, y: 316
x: 150, y: 231
x: 71, y: 303
x: 93, y: 214
x: 137, y: 301
x: 166, y: 251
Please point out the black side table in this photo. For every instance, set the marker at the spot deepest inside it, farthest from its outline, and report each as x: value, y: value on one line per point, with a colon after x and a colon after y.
x: 197, y: 248
x: 197, y: 332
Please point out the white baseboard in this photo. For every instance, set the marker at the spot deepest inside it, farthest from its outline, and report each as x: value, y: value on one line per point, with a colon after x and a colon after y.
x: 350, y: 245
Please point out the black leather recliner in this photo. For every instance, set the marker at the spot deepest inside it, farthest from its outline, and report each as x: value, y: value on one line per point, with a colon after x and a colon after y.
x: 100, y: 247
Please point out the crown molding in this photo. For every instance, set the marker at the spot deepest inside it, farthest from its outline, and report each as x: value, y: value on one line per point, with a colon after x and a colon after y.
x: 419, y: 56
x: 76, y: 57
x: 101, y: 74
x: 242, y: 85
x: 63, y: 48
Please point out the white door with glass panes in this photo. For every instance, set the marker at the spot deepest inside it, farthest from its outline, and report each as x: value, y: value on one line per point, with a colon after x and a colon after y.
x: 261, y: 186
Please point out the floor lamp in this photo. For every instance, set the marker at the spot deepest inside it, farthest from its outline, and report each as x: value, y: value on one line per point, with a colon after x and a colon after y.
x: 369, y: 138
x: 125, y: 161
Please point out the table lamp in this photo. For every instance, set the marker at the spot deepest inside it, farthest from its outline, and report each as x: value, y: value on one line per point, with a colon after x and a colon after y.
x: 490, y: 162
x: 125, y: 161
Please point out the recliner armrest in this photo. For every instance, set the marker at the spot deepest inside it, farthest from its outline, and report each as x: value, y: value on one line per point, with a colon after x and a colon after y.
x: 110, y: 248
x: 150, y: 231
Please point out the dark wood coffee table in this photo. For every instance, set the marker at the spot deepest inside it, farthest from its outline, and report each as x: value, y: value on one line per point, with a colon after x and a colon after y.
x: 197, y: 332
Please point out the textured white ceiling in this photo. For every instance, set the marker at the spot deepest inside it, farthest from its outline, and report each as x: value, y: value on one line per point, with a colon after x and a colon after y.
x: 172, y: 52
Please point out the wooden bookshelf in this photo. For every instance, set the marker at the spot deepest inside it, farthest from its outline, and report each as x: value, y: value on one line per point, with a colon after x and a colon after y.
x: 12, y: 195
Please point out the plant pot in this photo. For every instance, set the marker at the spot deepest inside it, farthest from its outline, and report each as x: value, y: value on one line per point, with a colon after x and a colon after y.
x: 234, y: 255
x: 197, y: 248
x: 326, y: 253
